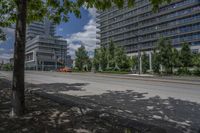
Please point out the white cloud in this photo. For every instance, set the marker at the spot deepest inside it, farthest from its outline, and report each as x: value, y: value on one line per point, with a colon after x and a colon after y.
x: 87, y: 37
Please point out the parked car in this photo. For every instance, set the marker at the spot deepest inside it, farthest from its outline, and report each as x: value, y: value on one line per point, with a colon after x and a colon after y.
x: 65, y: 69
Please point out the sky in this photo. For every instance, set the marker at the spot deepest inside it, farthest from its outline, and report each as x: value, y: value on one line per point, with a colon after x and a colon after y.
x: 76, y: 32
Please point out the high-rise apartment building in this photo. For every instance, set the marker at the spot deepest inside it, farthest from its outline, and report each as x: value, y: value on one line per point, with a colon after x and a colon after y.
x: 44, y: 51
x: 139, y: 28
x: 45, y: 27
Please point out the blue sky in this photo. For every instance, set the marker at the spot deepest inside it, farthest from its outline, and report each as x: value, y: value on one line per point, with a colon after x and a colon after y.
x: 76, y: 32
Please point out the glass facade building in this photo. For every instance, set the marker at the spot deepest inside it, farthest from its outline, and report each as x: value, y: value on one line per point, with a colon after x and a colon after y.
x: 140, y: 27
x: 44, y: 51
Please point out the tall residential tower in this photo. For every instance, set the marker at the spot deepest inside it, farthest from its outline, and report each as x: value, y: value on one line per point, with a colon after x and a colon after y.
x: 139, y: 28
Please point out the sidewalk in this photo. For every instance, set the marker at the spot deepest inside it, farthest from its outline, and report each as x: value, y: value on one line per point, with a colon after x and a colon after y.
x: 146, y: 77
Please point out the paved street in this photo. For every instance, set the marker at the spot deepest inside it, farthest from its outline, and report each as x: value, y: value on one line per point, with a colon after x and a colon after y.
x: 96, y: 85
x: 175, y: 104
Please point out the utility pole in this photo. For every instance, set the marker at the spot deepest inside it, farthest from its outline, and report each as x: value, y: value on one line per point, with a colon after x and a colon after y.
x: 139, y: 54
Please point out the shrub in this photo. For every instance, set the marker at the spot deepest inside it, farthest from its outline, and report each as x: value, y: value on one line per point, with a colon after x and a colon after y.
x: 183, y: 71
x: 196, y: 72
x: 7, y: 67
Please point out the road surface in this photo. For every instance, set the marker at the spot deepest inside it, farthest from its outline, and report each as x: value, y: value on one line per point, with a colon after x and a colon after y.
x: 175, y: 104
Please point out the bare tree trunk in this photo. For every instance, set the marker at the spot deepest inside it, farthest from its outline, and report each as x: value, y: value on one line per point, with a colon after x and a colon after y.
x: 18, y: 98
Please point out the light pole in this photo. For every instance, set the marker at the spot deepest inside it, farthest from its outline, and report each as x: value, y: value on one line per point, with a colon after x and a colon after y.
x: 139, y: 54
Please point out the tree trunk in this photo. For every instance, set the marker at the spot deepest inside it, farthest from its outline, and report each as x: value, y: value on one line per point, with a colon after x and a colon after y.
x: 18, y: 97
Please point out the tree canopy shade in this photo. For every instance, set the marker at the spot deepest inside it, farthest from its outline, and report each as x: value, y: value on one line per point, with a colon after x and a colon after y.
x: 22, y: 12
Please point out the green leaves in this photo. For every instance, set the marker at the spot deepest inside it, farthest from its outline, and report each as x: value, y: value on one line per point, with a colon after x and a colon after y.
x: 58, y: 10
x: 166, y: 54
x: 111, y: 58
x: 196, y: 60
x: 157, y: 3
x: 145, y: 62
x: 156, y: 62
x: 185, y: 55
x: 7, y: 13
x: 131, y: 3
x: 82, y: 58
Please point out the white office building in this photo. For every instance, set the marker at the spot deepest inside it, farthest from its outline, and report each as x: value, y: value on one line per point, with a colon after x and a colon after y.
x: 44, y: 51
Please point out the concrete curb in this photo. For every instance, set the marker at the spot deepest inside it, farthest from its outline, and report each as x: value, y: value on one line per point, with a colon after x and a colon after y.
x: 178, y: 81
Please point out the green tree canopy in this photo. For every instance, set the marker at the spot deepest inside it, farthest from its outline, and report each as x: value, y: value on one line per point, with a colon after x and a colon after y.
x: 185, y: 55
x: 156, y: 62
x: 96, y: 59
x: 81, y: 59
x: 145, y: 62
x: 166, y: 54
x: 196, y: 60
x: 133, y: 61
x: 103, y: 59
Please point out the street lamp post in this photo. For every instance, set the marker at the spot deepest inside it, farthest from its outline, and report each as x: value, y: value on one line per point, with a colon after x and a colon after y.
x: 139, y: 55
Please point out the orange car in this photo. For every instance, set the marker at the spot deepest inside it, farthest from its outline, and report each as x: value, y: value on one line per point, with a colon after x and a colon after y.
x: 65, y: 69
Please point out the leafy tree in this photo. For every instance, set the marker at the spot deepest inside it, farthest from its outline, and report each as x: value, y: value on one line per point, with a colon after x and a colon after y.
x: 126, y: 65
x: 110, y: 52
x: 100, y: 59
x: 196, y: 60
x: 103, y: 59
x: 82, y: 59
x: 89, y: 64
x: 175, y: 58
x: 121, y: 59
x: 156, y: 62
x: 185, y: 55
x: 145, y: 62
x: 22, y: 12
x: 118, y: 58
x: 133, y: 62
x: 96, y: 59
x: 166, y: 54
x: 7, y: 67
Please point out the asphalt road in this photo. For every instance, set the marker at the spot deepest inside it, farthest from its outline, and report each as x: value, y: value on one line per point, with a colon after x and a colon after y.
x: 96, y: 85
x: 163, y: 103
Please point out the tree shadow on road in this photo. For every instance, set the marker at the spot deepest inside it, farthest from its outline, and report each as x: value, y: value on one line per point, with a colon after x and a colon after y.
x: 56, y: 87
x: 167, y: 113
x: 46, y: 116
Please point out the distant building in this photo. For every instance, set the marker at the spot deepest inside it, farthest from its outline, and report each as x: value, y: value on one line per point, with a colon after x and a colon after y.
x: 44, y: 51
x: 43, y: 28
x: 139, y: 28
x: 69, y: 61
